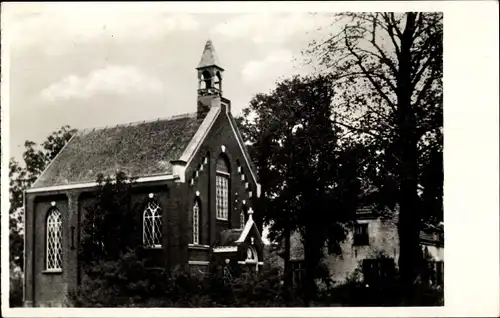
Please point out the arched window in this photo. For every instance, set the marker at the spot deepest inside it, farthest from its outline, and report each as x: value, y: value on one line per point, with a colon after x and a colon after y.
x: 251, y: 255
x: 152, y: 225
x: 196, y: 222
x: 222, y: 187
x: 242, y: 219
x: 54, y: 240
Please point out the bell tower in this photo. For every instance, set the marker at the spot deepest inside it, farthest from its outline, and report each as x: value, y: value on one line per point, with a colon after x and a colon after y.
x: 209, y: 79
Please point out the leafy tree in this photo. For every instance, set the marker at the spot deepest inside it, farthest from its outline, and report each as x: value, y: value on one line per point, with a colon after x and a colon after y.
x: 107, y: 249
x: 308, y: 172
x: 36, y: 158
x: 388, y: 83
x: 103, y: 237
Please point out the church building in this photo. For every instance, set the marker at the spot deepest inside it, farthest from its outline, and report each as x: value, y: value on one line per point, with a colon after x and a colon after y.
x: 195, y: 181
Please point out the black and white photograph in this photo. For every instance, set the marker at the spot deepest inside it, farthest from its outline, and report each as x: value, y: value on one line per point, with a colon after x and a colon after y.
x: 175, y: 159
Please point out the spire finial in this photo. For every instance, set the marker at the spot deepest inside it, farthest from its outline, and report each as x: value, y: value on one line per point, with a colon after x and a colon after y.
x: 209, y: 56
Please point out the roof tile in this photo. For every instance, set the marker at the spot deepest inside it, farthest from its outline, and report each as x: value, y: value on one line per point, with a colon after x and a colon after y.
x: 143, y: 149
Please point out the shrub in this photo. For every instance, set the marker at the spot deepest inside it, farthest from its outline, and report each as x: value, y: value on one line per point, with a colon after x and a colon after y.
x: 124, y: 285
x: 114, y: 273
x: 16, y: 288
x: 384, y: 291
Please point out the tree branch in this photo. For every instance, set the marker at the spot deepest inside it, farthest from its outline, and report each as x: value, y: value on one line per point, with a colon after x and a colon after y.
x: 394, y: 22
x: 425, y: 88
x: 363, y: 75
x: 426, y: 49
x: 352, y: 128
x: 429, y: 26
x: 367, y: 74
x: 385, y: 59
x: 390, y: 31
x: 419, y: 74
x: 382, y: 77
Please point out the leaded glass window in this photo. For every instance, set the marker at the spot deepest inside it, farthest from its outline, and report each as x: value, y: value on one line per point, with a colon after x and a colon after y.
x: 54, y: 240
x: 222, y: 189
x: 152, y: 225
x: 196, y: 223
x: 222, y: 197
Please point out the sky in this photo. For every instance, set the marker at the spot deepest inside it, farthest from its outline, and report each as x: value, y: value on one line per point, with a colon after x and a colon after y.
x: 96, y: 65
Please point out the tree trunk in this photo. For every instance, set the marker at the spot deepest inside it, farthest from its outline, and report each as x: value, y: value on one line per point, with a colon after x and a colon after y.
x: 409, y: 220
x: 312, y: 259
x: 287, y: 275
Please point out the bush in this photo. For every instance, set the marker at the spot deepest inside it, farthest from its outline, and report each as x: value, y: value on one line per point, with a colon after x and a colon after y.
x: 16, y: 288
x: 384, y: 291
x: 126, y: 284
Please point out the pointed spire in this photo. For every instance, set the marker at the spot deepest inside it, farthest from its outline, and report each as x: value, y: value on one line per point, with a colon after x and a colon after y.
x: 209, y: 57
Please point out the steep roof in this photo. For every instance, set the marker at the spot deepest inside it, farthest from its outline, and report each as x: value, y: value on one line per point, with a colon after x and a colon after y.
x: 209, y: 56
x: 139, y: 149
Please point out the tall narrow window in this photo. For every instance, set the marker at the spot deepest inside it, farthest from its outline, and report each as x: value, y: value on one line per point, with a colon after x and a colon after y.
x: 152, y: 225
x: 196, y: 223
x: 242, y: 219
x: 361, y: 234
x: 222, y: 186
x: 54, y: 240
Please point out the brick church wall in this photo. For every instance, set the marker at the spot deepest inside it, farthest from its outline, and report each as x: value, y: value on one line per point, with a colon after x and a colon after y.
x: 176, y: 199
x: 51, y: 289
x: 221, y: 135
x: 48, y: 288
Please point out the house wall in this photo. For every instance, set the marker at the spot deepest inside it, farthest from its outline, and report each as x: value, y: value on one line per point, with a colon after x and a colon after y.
x: 383, y: 239
x: 435, y: 252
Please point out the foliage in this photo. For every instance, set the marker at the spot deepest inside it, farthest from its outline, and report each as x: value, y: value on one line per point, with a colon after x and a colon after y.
x: 22, y: 176
x: 128, y: 284
x: 384, y: 291
x: 118, y: 282
x: 115, y: 274
x: 388, y: 93
x: 391, y: 293
x: 16, y: 287
x: 103, y: 237
x: 112, y: 270
x: 308, y: 172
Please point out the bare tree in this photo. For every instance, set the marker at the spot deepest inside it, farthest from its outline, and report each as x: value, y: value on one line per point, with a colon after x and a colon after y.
x: 388, y: 73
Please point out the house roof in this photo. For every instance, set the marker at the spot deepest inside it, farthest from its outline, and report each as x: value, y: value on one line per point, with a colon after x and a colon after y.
x: 138, y: 149
x: 229, y: 237
x: 234, y: 237
x: 209, y: 56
